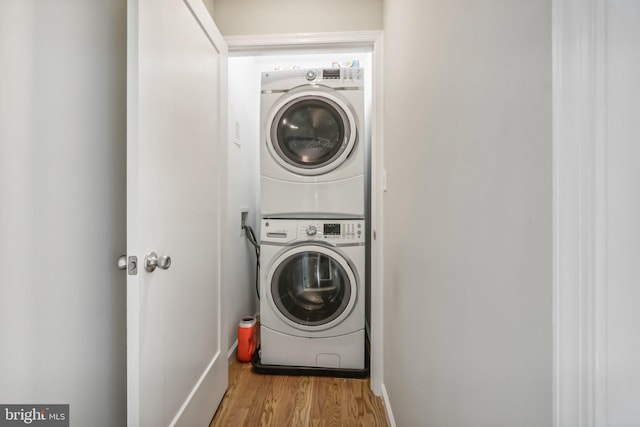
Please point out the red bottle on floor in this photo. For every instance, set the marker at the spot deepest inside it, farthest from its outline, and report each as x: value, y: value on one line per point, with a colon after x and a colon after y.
x: 247, y: 338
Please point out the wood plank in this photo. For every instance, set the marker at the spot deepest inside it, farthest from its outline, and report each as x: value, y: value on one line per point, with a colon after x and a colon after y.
x: 295, y: 401
x: 360, y: 406
x: 262, y: 400
x: 328, y: 401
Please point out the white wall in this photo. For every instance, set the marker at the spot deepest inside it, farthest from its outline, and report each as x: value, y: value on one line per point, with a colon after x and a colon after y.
x: 240, y: 17
x: 467, y: 214
x: 62, y: 206
x: 242, y: 186
x: 209, y: 4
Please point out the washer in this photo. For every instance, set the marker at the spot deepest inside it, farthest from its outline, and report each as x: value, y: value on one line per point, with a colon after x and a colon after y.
x: 312, y: 293
x: 312, y: 160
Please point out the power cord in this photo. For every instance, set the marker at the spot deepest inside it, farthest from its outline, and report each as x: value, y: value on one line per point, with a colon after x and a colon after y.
x: 251, y: 237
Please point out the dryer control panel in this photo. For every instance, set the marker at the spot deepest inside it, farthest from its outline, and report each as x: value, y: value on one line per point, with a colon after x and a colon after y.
x: 338, y: 78
x: 337, y: 231
x: 334, y: 74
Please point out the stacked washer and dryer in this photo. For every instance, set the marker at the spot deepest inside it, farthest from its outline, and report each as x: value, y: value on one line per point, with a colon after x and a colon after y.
x: 312, y: 190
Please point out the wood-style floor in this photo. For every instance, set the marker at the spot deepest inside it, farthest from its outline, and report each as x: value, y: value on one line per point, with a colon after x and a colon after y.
x: 278, y: 400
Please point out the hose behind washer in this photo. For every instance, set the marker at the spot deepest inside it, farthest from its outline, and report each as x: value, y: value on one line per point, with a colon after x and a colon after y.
x: 251, y: 237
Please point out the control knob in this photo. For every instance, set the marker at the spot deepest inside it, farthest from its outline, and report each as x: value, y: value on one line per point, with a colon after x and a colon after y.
x: 312, y: 230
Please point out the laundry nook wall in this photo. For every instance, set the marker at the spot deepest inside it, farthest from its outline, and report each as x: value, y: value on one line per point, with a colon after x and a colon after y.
x: 242, y: 17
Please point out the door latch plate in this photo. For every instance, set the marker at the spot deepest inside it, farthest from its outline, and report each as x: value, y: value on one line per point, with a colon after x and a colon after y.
x: 132, y: 266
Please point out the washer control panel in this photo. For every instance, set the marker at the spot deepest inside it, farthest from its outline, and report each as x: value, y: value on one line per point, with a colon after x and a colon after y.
x: 338, y: 231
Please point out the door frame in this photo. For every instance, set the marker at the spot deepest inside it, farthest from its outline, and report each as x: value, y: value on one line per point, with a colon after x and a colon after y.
x: 307, y: 43
x: 579, y: 213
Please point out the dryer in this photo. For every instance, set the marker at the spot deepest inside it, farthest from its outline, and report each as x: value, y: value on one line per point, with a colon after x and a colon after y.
x: 312, y: 160
x: 312, y: 293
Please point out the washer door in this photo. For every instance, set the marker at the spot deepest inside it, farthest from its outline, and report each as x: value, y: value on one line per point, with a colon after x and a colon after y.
x: 311, y: 132
x: 312, y: 287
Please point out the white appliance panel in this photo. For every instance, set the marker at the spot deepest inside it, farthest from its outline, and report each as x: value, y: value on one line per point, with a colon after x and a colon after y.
x: 312, y: 156
x: 328, y: 259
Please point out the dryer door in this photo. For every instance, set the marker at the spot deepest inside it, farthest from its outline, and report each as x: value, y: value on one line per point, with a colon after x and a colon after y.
x: 311, y: 132
x: 312, y: 287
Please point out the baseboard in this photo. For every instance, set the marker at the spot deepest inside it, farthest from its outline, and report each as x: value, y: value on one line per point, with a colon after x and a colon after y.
x: 387, y: 406
x: 232, y: 351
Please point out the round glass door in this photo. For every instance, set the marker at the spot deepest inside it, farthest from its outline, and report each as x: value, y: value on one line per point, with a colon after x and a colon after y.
x: 312, y: 288
x: 312, y: 134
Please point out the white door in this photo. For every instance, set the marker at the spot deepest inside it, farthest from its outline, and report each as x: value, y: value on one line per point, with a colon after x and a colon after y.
x: 176, y: 355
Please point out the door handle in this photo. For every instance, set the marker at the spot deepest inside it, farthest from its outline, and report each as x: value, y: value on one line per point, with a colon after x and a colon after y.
x: 122, y: 262
x: 128, y: 263
x: 151, y: 261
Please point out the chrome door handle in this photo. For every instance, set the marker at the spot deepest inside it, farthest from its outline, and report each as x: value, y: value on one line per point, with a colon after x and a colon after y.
x: 128, y: 263
x: 151, y: 261
x: 122, y: 262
